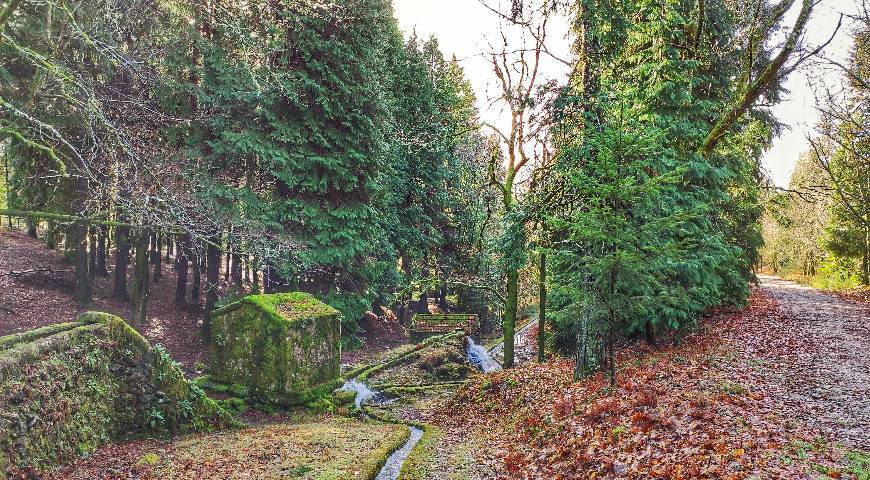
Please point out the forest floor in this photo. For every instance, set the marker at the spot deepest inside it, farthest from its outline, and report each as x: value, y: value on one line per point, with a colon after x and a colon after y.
x: 775, y: 390
x: 778, y: 389
x: 327, y: 447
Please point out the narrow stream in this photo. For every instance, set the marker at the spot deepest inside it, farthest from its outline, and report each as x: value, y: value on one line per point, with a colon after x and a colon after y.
x: 391, y: 469
x: 477, y: 355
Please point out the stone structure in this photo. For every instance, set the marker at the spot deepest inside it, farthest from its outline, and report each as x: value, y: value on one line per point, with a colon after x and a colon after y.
x: 65, y: 389
x: 283, y: 348
x: 425, y: 325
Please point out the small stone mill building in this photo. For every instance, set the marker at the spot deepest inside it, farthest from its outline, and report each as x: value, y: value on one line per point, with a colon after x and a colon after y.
x: 284, y: 348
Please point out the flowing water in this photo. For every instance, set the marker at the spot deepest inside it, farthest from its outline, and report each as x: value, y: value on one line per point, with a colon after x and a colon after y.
x: 364, y: 394
x: 391, y: 469
x: 480, y: 357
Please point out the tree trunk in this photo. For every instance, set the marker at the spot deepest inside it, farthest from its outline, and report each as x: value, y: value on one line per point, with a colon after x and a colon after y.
x: 51, y: 234
x: 611, y: 358
x: 510, y: 318
x: 31, y: 227
x: 423, y: 305
x: 92, y: 251
x: 442, y: 296
x: 169, y: 248
x: 70, y: 243
x: 229, y: 257
x: 542, y: 306
x: 156, y: 256
x: 650, y: 333
x: 196, y: 263
x: 8, y: 190
x: 237, y: 271
x: 181, y: 266
x: 141, y: 279
x: 865, y: 262
x: 77, y: 237
x: 122, y: 259
x: 212, y: 277
x: 102, y: 233
x: 255, y: 275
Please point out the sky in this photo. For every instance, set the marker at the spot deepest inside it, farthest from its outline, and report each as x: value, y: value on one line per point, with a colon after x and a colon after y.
x: 462, y: 28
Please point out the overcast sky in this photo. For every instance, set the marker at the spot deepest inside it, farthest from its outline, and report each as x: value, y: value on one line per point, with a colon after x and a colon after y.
x: 463, y: 26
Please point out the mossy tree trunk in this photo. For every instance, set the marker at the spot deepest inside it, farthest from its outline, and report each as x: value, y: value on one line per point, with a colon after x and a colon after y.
x: 51, y: 234
x: 102, y: 233
x: 141, y: 279
x: 70, y: 242
x: 181, y: 267
x: 77, y: 241
x: 212, y: 277
x: 196, y: 271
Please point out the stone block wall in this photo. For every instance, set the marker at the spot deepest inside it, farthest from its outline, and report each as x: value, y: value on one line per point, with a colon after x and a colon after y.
x: 425, y: 325
x: 65, y: 389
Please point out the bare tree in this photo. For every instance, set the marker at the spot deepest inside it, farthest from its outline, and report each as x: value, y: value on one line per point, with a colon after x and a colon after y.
x: 517, y: 58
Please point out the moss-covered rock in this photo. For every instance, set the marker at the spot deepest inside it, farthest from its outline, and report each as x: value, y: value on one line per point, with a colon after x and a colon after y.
x: 283, y: 348
x: 68, y: 388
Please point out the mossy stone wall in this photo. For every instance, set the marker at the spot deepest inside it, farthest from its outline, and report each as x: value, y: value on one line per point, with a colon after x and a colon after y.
x: 68, y: 388
x: 280, y: 347
x: 425, y: 325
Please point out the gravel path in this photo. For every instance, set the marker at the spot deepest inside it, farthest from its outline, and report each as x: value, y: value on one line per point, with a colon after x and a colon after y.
x: 827, y: 379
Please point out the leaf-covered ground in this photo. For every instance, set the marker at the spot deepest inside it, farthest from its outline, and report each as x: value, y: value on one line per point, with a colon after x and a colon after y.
x: 721, y: 405
x: 34, y: 300
x: 329, y: 448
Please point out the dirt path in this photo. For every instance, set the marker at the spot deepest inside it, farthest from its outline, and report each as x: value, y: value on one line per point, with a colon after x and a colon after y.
x: 825, y: 372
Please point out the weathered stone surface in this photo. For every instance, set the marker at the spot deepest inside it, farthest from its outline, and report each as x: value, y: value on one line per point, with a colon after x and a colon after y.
x: 65, y: 389
x: 283, y: 347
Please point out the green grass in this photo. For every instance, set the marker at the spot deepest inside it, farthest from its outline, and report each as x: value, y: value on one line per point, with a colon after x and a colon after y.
x: 859, y: 465
x: 329, y: 448
x: 419, y: 462
x: 438, y: 456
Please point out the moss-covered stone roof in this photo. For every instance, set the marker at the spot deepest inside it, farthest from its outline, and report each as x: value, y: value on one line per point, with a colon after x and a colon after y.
x: 284, y: 307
